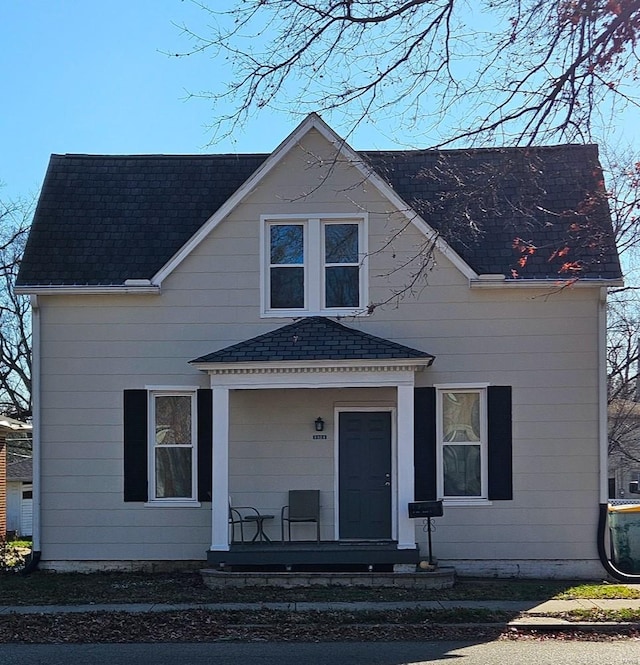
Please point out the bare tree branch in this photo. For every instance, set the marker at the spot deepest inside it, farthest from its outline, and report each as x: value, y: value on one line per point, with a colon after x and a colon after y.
x: 530, y: 70
x: 15, y: 324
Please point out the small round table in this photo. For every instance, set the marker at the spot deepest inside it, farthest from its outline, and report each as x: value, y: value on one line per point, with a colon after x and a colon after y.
x: 259, y: 520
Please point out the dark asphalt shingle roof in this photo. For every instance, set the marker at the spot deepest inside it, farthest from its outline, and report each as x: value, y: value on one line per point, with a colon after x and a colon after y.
x: 313, y: 338
x: 21, y: 470
x: 103, y: 219
x: 551, y: 199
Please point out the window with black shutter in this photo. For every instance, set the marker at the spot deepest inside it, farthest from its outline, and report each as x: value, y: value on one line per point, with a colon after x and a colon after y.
x: 172, y: 462
x: 463, y: 443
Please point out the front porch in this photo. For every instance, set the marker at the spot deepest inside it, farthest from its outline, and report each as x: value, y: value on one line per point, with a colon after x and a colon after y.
x: 319, y: 406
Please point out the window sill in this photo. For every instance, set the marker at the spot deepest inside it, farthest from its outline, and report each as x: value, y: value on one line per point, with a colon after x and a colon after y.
x: 453, y: 503
x: 303, y: 313
x: 170, y: 503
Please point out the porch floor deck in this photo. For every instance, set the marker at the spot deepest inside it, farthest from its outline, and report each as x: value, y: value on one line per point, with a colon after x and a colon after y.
x: 313, y: 556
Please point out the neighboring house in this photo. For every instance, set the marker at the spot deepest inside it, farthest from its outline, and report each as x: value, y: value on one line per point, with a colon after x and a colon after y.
x: 194, y: 316
x: 10, y: 430
x: 20, y: 498
x: 624, y: 449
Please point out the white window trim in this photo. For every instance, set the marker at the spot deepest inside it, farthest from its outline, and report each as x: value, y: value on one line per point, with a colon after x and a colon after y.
x: 314, y: 266
x: 480, y: 388
x: 177, y: 502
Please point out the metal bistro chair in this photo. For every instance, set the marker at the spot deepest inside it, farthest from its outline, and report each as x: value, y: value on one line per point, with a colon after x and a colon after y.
x: 236, y: 519
x: 241, y: 515
x: 303, y: 506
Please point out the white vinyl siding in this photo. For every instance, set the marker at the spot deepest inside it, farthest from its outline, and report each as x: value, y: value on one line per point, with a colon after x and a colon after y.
x: 26, y: 511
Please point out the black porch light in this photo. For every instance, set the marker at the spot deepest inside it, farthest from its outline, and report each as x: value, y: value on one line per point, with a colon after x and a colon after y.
x: 319, y: 423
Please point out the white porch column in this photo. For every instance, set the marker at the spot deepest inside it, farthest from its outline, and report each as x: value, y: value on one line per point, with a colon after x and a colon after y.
x: 406, y: 528
x: 220, y: 471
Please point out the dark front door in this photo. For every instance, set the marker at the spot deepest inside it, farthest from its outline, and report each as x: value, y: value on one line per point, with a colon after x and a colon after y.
x: 365, y: 474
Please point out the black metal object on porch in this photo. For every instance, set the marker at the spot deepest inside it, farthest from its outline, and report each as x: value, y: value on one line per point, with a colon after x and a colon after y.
x: 426, y: 510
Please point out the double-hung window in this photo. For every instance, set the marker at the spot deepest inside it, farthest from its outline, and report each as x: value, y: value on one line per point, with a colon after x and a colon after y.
x: 313, y: 265
x: 172, y: 455
x: 462, y: 443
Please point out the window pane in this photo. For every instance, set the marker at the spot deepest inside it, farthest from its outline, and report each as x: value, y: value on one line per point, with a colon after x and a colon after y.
x: 287, y: 288
x: 461, y: 416
x: 173, y: 419
x: 287, y: 244
x: 342, y: 286
x: 341, y: 243
x: 462, y: 470
x: 173, y: 473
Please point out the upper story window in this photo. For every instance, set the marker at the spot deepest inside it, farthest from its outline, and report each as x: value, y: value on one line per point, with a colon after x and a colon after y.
x: 172, y: 446
x: 462, y: 443
x: 314, y: 265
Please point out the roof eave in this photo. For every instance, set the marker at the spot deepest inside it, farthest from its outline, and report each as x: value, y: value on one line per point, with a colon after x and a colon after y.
x: 501, y: 282
x: 86, y: 289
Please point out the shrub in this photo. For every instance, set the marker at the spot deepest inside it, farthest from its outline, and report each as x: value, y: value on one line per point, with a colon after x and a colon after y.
x: 12, y: 557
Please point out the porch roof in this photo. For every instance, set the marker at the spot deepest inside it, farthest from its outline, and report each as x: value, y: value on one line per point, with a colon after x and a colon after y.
x: 314, y: 338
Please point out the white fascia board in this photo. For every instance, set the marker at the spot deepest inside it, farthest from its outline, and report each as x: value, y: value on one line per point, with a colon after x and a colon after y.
x: 556, y: 284
x: 312, y: 121
x: 89, y: 290
x: 367, y: 377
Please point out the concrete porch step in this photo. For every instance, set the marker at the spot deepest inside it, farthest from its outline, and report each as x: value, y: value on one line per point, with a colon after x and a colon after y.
x: 438, y: 578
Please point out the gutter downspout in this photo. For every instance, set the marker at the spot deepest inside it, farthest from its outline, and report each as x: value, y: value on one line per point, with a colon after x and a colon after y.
x: 32, y: 564
x: 603, y: 430
x: 603, y: 516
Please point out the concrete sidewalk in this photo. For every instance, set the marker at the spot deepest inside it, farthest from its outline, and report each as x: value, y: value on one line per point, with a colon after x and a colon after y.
x: 527, y: 614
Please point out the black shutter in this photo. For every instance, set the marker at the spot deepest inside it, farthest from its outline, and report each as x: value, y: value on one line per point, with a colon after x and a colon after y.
x: 205, y: 443
x: 424, y: 445
x: 500, y: 454
x: 135, y: 445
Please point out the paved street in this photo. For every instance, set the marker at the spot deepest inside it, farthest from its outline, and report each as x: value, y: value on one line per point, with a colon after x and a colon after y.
x: 397, y: 653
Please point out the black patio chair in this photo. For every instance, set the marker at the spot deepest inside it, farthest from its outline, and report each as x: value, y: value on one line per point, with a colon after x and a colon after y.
x: 239, y: 516
x: 303, y: 506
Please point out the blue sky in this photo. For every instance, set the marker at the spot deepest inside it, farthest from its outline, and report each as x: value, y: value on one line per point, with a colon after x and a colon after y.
x: 89, y: 76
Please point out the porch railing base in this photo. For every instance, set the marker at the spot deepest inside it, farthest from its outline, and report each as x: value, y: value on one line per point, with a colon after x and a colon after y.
x: 359, y: 556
